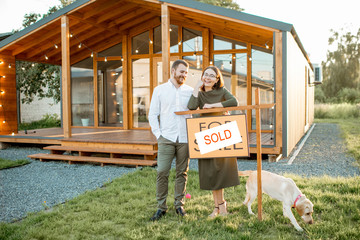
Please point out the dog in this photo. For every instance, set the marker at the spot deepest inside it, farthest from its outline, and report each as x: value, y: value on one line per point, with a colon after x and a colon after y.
x: 282, y: 189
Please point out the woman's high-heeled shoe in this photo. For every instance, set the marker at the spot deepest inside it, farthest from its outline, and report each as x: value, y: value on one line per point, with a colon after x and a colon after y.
x: 222, y: 209
x: 214, y: 213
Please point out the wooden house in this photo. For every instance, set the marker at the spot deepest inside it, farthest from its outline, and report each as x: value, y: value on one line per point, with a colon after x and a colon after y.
x: 113, y: 53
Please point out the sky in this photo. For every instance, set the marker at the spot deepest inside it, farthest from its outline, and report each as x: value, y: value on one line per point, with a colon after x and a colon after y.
x: 312, y: 19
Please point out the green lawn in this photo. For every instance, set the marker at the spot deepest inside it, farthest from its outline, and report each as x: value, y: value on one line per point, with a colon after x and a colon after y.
x: 4, y: 163
x: 121, y: 210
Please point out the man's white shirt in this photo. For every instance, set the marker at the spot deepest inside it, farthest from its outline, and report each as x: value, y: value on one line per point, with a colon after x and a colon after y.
x: 165, y: 101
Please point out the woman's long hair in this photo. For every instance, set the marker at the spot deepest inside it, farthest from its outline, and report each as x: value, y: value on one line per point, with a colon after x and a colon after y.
x: 219, y: 77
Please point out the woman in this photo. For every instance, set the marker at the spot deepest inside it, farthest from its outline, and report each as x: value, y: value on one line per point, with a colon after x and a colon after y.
x: 219, y: 173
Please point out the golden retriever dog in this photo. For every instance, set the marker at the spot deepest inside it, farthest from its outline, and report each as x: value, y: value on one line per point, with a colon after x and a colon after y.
x: 282, y: 189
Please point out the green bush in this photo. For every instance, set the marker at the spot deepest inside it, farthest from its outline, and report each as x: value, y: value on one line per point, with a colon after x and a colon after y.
x: 48, y: 121
x: 349, y: 95
x: 337, y: 111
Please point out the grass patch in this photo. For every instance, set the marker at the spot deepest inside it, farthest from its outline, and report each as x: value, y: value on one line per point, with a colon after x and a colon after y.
x: 337, y: 111
x: 121, y: 210
x: 10, y: 163
x: 350, y: 132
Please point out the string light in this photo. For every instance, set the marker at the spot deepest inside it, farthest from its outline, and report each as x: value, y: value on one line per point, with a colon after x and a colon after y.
x: 56, y: 46
x: 1, y: 62
x: 46, y: 57
x: 105, y: 59
x: 80, y: 45
x: 92, y: 54
x: 71, y: 35
x: 9, y: 65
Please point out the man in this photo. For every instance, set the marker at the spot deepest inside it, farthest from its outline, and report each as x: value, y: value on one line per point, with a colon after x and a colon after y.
x: 170, y: 131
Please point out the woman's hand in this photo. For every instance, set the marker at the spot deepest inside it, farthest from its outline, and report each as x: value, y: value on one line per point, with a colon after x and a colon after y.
x: 197, y: 87
x: 212, y: 105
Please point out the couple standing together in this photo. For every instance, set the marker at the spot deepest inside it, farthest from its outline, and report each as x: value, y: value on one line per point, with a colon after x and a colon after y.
x: 170, y: 131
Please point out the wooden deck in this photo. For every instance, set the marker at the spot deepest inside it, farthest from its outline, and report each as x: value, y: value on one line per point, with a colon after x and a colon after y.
x: 87, y: 136
x: 120, y: 146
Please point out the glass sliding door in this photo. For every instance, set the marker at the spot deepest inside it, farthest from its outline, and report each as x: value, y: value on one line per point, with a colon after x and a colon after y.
x: 263, y: 78
x: 110, y: 87
x: 82, y: 93
x: 110, y: 93
x: 140, y: 92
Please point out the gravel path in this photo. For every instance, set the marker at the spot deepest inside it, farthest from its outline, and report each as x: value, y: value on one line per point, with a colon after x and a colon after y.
x: 24, y: 189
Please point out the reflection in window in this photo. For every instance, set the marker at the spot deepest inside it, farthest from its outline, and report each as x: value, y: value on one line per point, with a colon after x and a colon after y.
x: 174, y: 47
x: 263, y: 78
x: 195, y: 69
x: 140, y: 43
x: 82, y: 93
x: 141, y: 92
x: 234, y: 69
x: 191, y: 40
x: 221, y: 43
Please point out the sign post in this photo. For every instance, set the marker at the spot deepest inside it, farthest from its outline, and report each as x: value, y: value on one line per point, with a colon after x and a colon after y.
x: 258, y: 152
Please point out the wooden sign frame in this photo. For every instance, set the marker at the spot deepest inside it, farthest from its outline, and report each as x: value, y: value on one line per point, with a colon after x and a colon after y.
x: 195, y: 125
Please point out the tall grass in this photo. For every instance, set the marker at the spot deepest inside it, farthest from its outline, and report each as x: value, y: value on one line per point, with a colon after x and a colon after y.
x: 337, y: 111
x: 121, y: 210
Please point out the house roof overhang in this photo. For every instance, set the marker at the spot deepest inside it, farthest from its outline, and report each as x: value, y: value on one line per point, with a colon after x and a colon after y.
x: 100, y: 24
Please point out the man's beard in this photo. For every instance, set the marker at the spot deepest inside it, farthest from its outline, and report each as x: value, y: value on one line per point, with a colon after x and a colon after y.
x: 179, y: 79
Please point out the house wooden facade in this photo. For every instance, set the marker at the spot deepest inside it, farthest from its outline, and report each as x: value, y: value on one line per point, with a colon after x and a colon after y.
x: 114, y: 53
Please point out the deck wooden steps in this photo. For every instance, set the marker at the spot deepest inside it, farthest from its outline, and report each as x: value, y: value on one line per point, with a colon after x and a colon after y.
x: 114, y: 152
x: 71, y: 159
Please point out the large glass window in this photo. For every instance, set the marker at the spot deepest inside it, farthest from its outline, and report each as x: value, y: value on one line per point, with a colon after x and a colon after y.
x: 140, y: 43
x: 221, y: 43
x: 191, y: 40
x: 263, y: 78
x: 234, y: 70
x: 82, y: 93
x: 141, y: 92
x: 195, y: 69
x: 174, y: 41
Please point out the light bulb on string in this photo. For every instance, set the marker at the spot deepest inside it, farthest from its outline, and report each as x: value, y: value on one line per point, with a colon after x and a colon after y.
x: 10, y: 65
x: 105, y: 59
x: 46, y: 57
x: 92, y: 54
x: 1, y: 62
x: 80, y: 45
x: 56, y: 46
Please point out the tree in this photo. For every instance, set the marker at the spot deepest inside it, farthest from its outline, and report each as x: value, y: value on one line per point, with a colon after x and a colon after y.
x: 34, y: 78
x: 223, y: 3
x: 342, y: 67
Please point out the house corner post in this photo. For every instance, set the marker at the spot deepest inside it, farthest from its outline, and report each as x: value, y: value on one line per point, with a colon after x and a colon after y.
x: 65, y: 75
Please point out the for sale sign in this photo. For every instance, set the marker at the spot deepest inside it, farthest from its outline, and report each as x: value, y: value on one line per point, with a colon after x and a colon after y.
x: 218, y: 136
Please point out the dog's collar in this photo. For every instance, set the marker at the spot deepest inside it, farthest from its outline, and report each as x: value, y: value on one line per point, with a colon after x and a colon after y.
x: 298, y: 197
